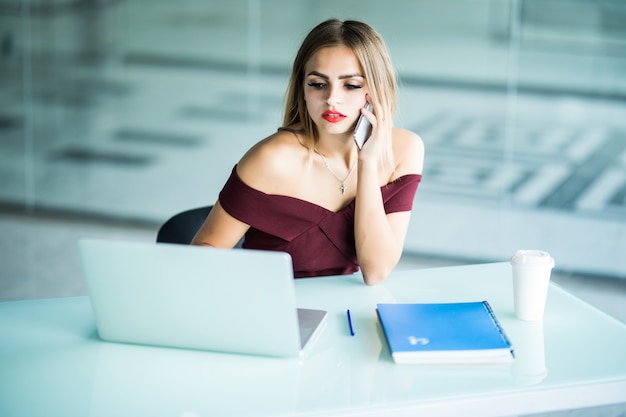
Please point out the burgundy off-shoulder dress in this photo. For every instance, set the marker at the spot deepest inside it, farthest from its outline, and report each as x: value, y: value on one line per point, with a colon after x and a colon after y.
x: 320, y: 241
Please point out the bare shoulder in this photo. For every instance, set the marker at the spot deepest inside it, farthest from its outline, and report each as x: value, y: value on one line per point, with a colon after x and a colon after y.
x: 272, y: 161
x: 408, y: 151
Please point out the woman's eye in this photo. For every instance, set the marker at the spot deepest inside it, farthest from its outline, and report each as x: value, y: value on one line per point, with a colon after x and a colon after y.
x: 353, y: 86
x: 317, y: 86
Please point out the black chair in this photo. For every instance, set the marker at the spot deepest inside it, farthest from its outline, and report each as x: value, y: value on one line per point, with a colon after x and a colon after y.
x: 182, y: 227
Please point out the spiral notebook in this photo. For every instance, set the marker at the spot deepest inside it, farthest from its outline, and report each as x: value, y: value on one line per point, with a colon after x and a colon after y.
x: 228, y: 300
x: 444, y: 333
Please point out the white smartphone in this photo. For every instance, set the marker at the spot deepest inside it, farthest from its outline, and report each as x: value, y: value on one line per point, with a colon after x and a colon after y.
x: 363, y: 128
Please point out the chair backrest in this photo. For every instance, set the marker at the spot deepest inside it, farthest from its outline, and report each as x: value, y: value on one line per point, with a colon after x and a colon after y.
x: 182, y: 227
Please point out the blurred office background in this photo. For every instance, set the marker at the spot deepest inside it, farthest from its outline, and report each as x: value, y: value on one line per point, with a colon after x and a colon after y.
x: 116, y: 114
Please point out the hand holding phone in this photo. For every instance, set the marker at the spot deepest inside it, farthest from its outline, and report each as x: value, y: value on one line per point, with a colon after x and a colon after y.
x: 363, y: 128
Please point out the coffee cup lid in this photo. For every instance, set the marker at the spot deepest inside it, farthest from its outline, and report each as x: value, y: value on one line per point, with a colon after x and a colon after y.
x: 532, y: 257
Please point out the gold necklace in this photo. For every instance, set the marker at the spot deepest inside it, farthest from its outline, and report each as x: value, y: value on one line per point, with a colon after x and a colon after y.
x: 343, y: 187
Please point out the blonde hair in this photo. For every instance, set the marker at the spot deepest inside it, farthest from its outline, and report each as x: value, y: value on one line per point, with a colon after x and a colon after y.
x: 373, y: 56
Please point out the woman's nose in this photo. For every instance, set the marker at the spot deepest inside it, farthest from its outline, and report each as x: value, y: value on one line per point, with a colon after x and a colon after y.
x: 334, y: 97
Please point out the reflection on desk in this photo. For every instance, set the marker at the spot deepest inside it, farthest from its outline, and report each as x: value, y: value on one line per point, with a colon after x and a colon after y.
x: 54, y: 364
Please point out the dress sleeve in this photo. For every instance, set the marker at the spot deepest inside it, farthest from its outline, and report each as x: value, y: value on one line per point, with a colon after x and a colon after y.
x: 247, y: 204
x: 399, y: 194
x: 269, y: 212
x: 282, y: 216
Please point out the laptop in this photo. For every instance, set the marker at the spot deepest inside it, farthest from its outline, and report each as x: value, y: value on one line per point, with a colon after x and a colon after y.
x: 228, y: 300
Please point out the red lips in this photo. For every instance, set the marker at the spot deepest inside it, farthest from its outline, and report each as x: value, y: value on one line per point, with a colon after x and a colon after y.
x: 333, y: 116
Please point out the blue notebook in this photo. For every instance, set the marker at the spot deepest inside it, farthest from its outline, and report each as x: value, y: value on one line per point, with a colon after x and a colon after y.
x: 449, y: 333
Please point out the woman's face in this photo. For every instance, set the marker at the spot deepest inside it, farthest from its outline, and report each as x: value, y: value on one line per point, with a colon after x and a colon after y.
x: 334, y: 90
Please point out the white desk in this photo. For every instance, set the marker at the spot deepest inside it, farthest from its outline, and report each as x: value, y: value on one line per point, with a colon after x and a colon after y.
x: 53, y: 364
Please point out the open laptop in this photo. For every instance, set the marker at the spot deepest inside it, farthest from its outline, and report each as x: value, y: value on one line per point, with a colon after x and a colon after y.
x: 229, y: 300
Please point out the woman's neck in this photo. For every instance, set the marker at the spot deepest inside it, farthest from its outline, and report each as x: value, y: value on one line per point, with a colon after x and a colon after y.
x: 337, y: 147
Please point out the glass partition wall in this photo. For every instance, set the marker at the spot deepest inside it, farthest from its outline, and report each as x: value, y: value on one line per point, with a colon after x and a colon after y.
x: 115, y: 115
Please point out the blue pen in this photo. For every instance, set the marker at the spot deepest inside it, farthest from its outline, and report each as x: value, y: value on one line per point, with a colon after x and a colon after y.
x: 350, y: 323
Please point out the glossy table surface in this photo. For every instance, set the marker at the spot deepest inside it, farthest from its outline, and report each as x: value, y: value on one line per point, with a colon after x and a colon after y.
x: 52, y: 362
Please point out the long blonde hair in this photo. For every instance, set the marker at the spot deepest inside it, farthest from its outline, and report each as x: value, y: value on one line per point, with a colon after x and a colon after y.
x: 371, y: 52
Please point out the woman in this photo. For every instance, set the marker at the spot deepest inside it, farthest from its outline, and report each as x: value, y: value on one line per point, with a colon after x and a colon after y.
x: 308, y: 189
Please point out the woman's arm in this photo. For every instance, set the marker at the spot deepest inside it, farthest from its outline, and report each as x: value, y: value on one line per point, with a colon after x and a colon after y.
x: 379, y: 236
x: 260, y: 168
x: 220, y: 229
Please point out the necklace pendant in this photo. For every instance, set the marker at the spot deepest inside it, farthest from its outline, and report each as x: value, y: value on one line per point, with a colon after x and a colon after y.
x: 343, y: 189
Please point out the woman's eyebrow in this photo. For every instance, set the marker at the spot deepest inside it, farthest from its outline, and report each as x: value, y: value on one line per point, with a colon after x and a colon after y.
x: 341, y: 77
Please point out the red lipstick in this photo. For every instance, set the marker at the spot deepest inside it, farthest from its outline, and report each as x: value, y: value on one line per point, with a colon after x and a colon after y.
x: 333, y: 116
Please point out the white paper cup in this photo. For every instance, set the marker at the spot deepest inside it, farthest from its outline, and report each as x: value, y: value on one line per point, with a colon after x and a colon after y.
x: 531, y: 277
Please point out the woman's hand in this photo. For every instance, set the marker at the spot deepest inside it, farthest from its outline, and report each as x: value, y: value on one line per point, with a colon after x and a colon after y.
x: 374, y: 146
